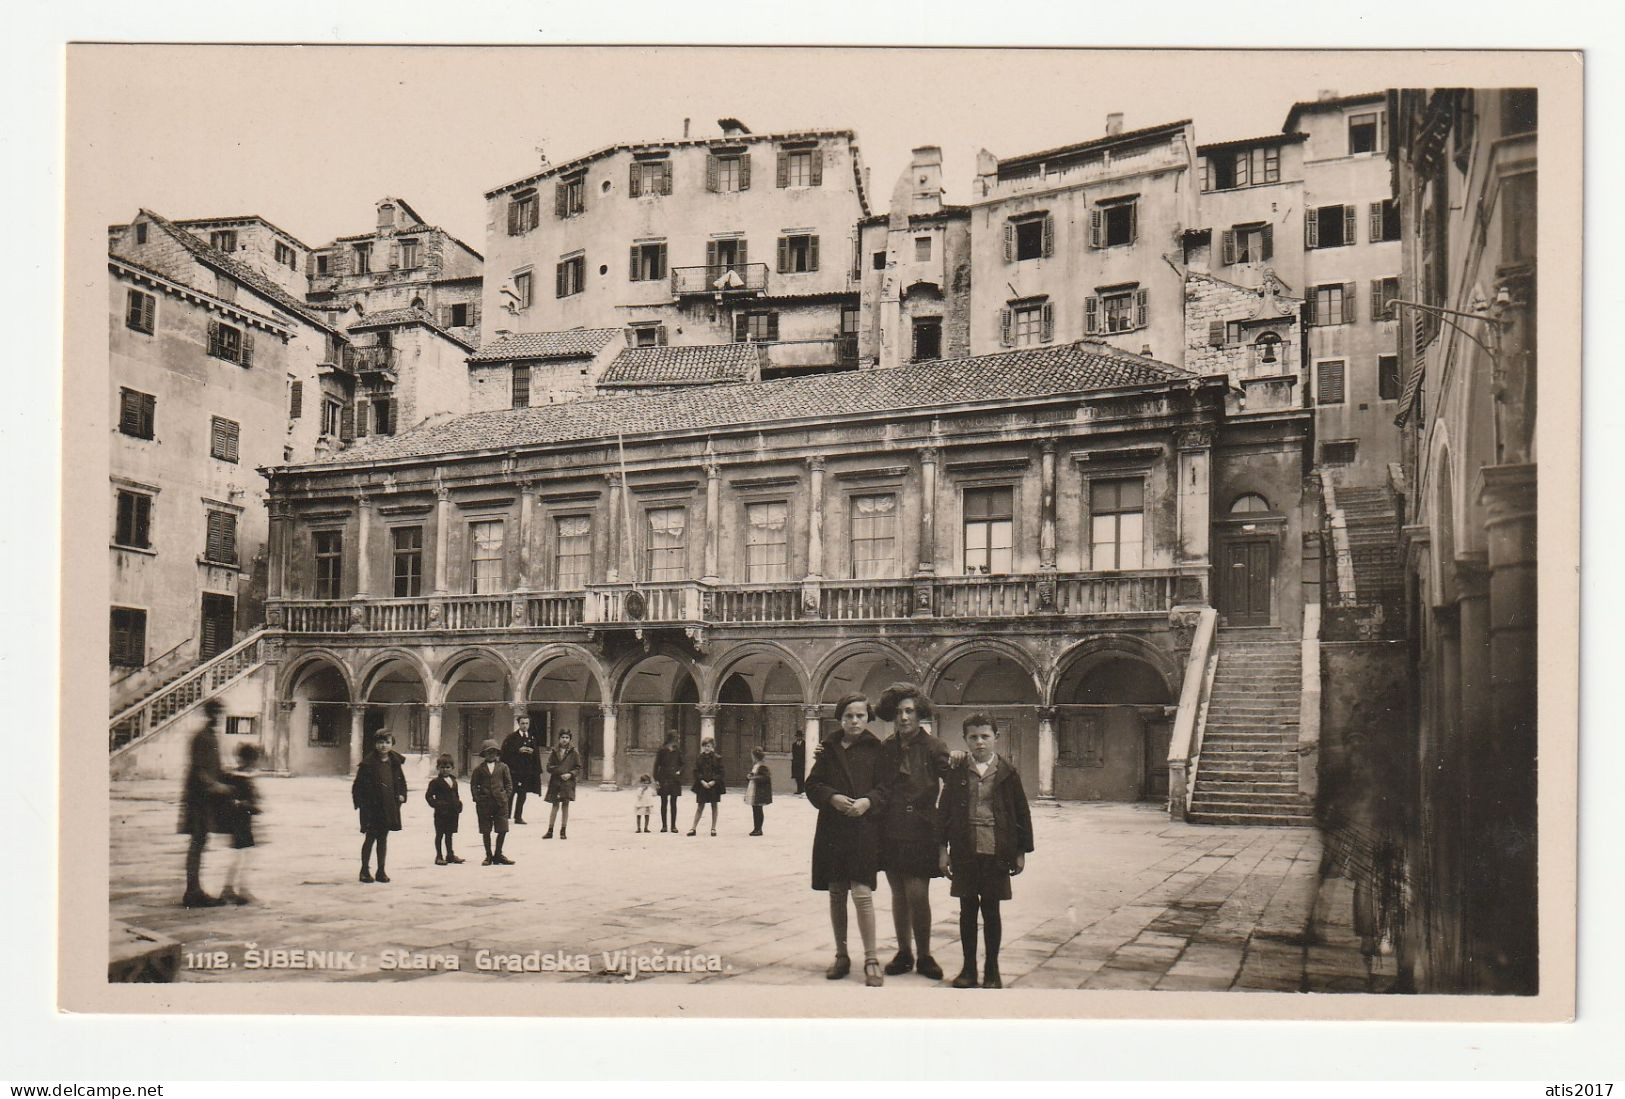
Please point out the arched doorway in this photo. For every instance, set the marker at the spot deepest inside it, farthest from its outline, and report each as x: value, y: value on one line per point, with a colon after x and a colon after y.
x: 397, y: 699
x: 658, y: 698
x: 759, y: 705
x: 475, y: 688
x: 318, y: 720
x: 867, y: 670
x: 1000, y: 685
x: 563, y: 697
x: 1111, y: 730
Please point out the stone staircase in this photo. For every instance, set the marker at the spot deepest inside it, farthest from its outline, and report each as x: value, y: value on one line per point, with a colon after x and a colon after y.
x: 1247, y: 772
x: 1369, y: 516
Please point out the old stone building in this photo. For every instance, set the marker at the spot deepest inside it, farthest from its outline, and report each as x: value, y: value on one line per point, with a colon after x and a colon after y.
x: 740, y: 237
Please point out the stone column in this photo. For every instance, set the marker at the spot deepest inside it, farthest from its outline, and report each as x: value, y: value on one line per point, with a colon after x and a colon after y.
x: 442, y: 536
x: 276, y: 580
x: 813, y: 728
x: 1046, y: 752
x: 1046, y: 506
x: 358, y: 733
x: 437, y: 714
x: 923, y: 587
x: 363, y: 546
x: 713, y: 519
x: 606, y: 772
x: 617, y: 520
x: 815, y: 519
x: 1472, y: 602
x: 1195, y: 513
x: 708, y: 720
x: 282, y: 736
x: 527, y: 522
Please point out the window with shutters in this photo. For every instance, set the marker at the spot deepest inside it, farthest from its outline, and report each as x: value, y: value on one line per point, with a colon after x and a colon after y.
x: 332, y: 416
x: 129, y: 637
x: 1329, y: 227
x: 1520, y: 110
x: 383, y: 416
x: 136, y: 413
x: 1384, y: 217
x: 648, y: 261
x: 801, y: 168
x: 1383, y: 292
x: 646, y: 334
x: 1117, y: 523
x: 140, y: 311
x: 1080, y: 741
x: 485, y: 546
x: 570, y: 196
x: 1329, y: 382
x: 1519, y: 220
x: 523, y: 213
x: 224, y: 239
x: 757, y: 327
x: 572, y: 552
x: 407, y: 550
x: 296, y: 399
x: 285, y: 256
x: 361, y: 258
x: 1250, y: 243
x: 520, y: 385
x: 460, y: 315
x: 322, y: 262
x: 767, y: 541
x: 1331, y: 304
x: 666, y: 548
x: 1029, y: 236
x: 231, y: 344
x: 524, y: 290
x: 132, y: 526
x: 1228, y: 170
x: 725, y: 172
x: 329, y: 553
x: 220, y: 540
x: 223, y: 438
x: 874, y: 536
x: 922, y: 249
x: 650, y: 176
x: 411, y: 254
x: 927, y: 339
x: 1117, y: 309
x: 798, y: 254
x: 1028, y: 323
x: 1364, y: 132
x: 1114, y: 222
x: 1388, y: 377
x: 988, y: 525
x: 570, y: 277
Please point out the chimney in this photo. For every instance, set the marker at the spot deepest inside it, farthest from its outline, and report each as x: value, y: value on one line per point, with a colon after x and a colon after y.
x: 686, y: 121
x: 1114, y: 123
x: 925, y: 179
x: 1326, y: 93
x: 732, y: 127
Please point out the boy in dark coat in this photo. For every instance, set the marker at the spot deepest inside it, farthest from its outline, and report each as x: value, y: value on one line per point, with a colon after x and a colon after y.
x: 987, y: 832
x: 492, y: 787
x: 378, y: 793
x: 563, y: 767
x: 202, y: 795
x: 524, y: 759
x: 447, y: 803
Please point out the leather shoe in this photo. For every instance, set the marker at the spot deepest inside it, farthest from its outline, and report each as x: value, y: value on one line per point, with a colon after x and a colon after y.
x: 966, y: 978
x: 990, y: 978
x: 928, y: 968
x: 366, y: 875
x: 381, y: 876
x: 201, y: 900
x: 902, y: 963
x: 839, y: 968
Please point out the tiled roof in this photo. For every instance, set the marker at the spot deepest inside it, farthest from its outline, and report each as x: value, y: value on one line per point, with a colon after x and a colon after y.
x: 240, y: 272
x: 390, y: 318
x: 238, y: 219
x: 1244, y: 142
x: 1012, y: 375
x: 1086, y: 146
x: 1309, y: 106
x: 575, y: 343
x: 706, y: 364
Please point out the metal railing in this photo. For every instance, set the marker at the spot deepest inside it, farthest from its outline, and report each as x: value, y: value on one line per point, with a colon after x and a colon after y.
x: 206, y: 680
x: 719, y: 278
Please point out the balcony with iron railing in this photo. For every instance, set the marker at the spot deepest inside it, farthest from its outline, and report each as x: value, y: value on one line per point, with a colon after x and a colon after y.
x: 1142, y: 592
x: 722, y: 278
x: 374, y: 362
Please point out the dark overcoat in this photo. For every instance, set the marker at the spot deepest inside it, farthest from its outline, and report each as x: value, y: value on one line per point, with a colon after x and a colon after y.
x: 798, y: 759
x: 668, y: 771
x: 848, y: 848
x: 443, y: 797
x: 525, y: 767
x: 378, y: 790
x: 909, y: 833
x: 203, y: 793
x: 1012, y: 819
x: 491, y: 786
x: 759, y: 785
x: 560, y: 762
x: 708, y: 768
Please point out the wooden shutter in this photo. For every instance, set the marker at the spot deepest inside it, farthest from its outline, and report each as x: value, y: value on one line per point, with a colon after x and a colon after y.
x: 633, y: 184
x: 363, y: 411
x: 1142, y: 312
x: 1350, y: 289
x: 558, y: 281
x: 665, y: 177
x: 1009, y: 242
x: 1206, y: 184
x: 1133, y: 221
x: 347, y: 423
x: 741, y: 327
x: 129, y: 412
x: 1215, y: 333
x: 1096, y: 234
x: 1351, y: 226
x: 710, y: 255
x: 1269, y: 241
x: 560, y: 209
x: 634, y: 272
x: 222, y: 537
x: 1046, y: 318
x: 772, y: 326
x: 784, y: 169
x: 296, y: 400
x: 711, y: 182
x: 1006, y: 317
x: 472, y: 314
x: 214, y: 338
x: 1091, y: 314
x: 1049, y: 235
x: 784, y: 254
x: 744, y: 171
x: 1228, y: 249
x: 812, y: 253
x: 660, y: 335
x: 817, y: 156
x: 741, y: 256
x: 1374, y: 223
x: 513, y: 217
x: 1309, y: 320
x: 1311, y: 227
x: 1376, y: 299
x: 247, y: 358
x: 149, y: 306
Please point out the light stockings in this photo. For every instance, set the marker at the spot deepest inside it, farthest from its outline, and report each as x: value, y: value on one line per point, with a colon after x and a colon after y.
x: 863, y: 899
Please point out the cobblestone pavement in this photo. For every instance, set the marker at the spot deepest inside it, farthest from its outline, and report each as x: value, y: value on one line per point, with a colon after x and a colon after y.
x: 1115, y: 897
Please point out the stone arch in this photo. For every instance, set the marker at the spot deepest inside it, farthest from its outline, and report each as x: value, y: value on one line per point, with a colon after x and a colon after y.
x: 448, y: 673
x: 622, y: 671
x: 1019, y: 656
x: 297, y: 667
x: 1442, y: 515
x: 871, y: 647
x: 367, y: 679
x: 1078, y: 660
x: 731, y: 660
x: 546, y: 654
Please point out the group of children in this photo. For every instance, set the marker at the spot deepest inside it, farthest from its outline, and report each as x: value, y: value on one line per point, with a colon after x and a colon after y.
x: 710, y: 783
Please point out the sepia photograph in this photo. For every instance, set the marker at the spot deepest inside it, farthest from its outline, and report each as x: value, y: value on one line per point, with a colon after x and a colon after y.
x: 639, y: 530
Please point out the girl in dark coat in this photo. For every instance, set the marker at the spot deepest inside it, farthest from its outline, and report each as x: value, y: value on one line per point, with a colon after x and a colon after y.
x: 758, y: 788
x: 378, y: 792
x: 848, y: 785
x: 564, y: 765
x: 669, y: 780
x: 909, y: 836
x: 709, y: 784
x: 524, y: 759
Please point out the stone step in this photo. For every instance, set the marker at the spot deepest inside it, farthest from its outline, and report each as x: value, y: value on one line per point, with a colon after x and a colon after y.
x: 1280, y: 727
x: 1235, y: 786
x: 1207, y: 797
x: 1252, y: 820
x: 1218, y: 741
x: 1234, y: 769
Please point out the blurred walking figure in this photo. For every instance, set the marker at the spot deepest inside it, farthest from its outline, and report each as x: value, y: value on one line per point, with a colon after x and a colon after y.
x: 564, y: 765
x: 203, y: 795
x: 244, y: 806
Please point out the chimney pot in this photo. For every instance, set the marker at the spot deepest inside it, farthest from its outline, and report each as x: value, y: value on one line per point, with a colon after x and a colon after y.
x: 1114, y: 123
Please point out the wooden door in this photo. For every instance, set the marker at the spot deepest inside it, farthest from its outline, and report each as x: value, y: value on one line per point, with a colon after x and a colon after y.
x: 219, y: 612
x: 1247, y: 582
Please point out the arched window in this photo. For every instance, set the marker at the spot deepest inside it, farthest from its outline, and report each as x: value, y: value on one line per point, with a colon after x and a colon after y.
x: 1268, y: 347
x: 1248, y: 504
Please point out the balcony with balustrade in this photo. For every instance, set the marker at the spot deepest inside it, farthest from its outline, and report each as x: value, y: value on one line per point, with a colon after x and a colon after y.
x: 729, y: 280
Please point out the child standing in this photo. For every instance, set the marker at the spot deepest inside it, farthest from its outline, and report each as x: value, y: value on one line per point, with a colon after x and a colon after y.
x: 987, y: 832
x: 244, y: 807
x: 492, y: 787
x: 378, y: 792
x: 645, y: 803
x: 563, y: 764
x: 710, y: 783
x: 758, y: 788
x: 442, y: 796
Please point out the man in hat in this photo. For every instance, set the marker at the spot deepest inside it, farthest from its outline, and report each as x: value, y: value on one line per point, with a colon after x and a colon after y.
x: 202, y: 795
x: 492, y: 787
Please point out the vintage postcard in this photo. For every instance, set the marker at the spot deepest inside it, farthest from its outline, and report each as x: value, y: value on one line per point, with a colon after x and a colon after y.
x: 637, y: 531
